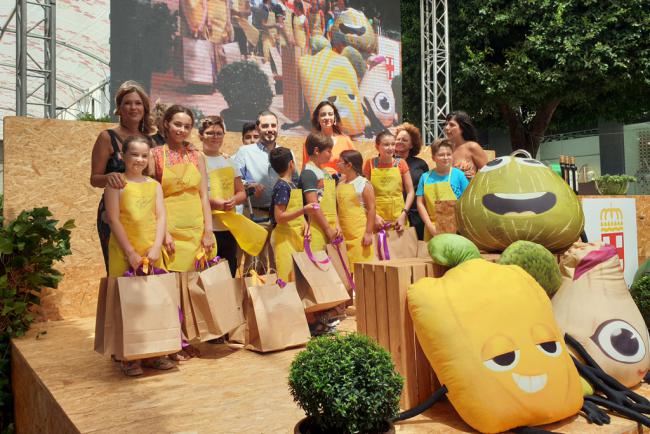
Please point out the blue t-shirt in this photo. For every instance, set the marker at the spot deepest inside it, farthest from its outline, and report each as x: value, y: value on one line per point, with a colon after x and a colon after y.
x: 280, y: 196
x: 458, y: 181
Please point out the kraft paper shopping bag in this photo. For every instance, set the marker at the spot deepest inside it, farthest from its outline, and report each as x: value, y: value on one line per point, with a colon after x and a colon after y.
x: 319, y: 285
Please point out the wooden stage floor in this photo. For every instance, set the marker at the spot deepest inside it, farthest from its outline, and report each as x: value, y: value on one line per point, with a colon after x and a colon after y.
x: 62, y: 386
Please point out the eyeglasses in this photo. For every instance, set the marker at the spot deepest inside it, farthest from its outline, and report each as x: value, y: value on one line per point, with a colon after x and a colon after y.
x: 213, y: 134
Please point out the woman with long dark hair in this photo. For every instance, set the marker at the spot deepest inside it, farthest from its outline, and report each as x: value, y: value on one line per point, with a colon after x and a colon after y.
x: 327, y: 120
x: 468, y: 155
x: 132, y: 106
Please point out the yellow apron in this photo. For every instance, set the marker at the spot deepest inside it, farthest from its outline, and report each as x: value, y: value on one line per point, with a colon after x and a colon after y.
x: 353, y: 219
x: 269, y: 36
x: 388, y: 192
x: 181, y: 185
x: 434, y: 192
x: 287, y: 238
x: 328, y: 206
x: 138, y: 216
x: 250, y: 236
x: 299, y: 33
x: 217, y: 14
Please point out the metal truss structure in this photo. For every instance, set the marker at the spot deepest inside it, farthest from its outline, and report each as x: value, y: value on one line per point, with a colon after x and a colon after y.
x: 32, y: 64
x: 436, y: 95
x: 36, y: 72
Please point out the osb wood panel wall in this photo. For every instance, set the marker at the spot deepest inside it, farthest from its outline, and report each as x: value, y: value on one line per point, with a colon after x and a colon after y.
x: 47, y: 163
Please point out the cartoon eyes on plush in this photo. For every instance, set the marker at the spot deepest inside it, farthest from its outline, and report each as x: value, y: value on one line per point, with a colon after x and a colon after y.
x: 513, y: 199
x: 619, y: 341
x: 509, y: 354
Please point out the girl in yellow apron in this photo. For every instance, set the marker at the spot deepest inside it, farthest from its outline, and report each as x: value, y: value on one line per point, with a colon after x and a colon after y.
x: 319, y: 187
x: 389, y: 177
x: 180, y: 168
x: 136, y: 215
x: 226, y: 191
x: 355, y: 198
x: 444, y: 182
x: 287, y: 214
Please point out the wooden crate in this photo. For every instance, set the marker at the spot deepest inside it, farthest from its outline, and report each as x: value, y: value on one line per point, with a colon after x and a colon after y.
x: 382, y: 313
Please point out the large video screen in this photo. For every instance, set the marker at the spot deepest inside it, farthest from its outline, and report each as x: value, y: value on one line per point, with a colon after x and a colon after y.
x: 235, y: 58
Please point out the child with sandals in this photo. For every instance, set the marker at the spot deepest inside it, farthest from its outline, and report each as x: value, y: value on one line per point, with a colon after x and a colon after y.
x: 136, y: 215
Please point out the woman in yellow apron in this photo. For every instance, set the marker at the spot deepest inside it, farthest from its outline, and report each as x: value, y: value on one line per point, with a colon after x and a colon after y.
x: 319, y: 187
x: 226, y: 191
x: 355, y: 198
x: 389, y: 177
x: 136, y: 215
x: 287, y: 213
x: 444, y: 182
x: 180, y: 168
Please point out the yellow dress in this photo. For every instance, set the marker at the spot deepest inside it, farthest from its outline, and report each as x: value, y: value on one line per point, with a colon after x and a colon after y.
x: 138, y: 216
x: 353, y: 219
x: 181, y: 185
x: 287, y: 238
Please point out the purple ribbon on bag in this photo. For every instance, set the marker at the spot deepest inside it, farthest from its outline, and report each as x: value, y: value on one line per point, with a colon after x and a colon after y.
x: 140, y: 272
x: 184, y: 342
x: 383, y: 242
x: 307, y: 246
x: 201, y: 264
x: 337, y: 245
x: 281, y: 283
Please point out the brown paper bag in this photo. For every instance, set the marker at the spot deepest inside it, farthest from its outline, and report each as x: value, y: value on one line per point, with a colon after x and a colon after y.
x: 238, y: 334
x: 400, y: 244
x: 446, y: 217
x: 147, y: 322
x: 423, y: 250
x: 340, y: 266
x: 190, y: 329
x: 220, y: 292
x: 319, y: 287
x: 100, y: 317
x: 203, y: 318
x: 198, y: 61
x: 275, y: 317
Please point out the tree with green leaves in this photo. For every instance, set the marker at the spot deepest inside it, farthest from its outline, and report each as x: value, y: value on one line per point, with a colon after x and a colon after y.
x: 524, y: 60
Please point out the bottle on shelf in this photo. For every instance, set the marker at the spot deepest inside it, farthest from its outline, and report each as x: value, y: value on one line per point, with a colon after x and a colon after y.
x: 574, y: 173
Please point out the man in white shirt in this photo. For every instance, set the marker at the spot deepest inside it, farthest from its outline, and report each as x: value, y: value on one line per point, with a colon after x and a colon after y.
x: 256, y: 171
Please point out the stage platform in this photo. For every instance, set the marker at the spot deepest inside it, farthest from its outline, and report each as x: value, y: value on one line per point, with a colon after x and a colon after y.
x: 61, y: 386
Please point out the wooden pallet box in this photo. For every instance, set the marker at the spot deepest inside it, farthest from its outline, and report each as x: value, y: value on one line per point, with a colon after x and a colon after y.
x: 382, y: 313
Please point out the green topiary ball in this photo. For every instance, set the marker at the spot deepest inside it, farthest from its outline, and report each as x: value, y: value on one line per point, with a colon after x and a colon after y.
x: 640, y: 291
x: 245, y: 87
x: 345, y: 384
x: 537, y: 261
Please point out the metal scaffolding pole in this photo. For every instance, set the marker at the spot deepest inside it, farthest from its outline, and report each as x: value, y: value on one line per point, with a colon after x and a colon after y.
x: 27, y: 65
x: 436, y: 95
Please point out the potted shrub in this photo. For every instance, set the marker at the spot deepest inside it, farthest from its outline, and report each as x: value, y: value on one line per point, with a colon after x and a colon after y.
x: 613, y: 184
x: 246, y: 89
x: 345, y: 384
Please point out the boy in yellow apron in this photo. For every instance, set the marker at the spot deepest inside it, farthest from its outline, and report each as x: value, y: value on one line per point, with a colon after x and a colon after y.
x: 319, y: 187
x: 287, y: 213
x: 226, y: 190
x: 136, y: 215
x: 355, y: 198
x: 444, y: 182
x: 389, y: 177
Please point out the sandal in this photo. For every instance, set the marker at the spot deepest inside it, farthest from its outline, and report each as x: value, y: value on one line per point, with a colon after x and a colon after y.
x: 159, y: 363
x: 180, y: 356
x: 132, y: 368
